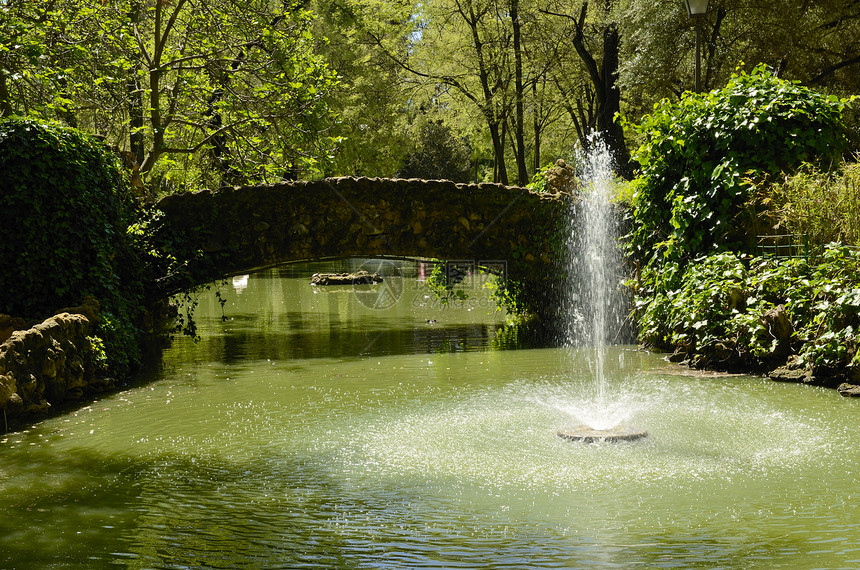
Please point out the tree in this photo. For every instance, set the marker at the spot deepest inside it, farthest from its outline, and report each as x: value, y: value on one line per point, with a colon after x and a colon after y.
x: 814, y: 42
x: 232, y: 87
x: 440, y: 155
x: 371, y: 100
x: 598, y: 104
x: 456, y: 47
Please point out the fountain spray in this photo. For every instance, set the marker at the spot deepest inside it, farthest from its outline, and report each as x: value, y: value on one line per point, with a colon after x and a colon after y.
x: 594, y: 308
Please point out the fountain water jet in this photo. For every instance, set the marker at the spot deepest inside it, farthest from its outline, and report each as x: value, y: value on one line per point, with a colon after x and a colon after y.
x: 593, y: 307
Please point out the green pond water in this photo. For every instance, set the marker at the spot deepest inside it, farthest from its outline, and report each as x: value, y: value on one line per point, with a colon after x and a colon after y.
x: 338, y: 428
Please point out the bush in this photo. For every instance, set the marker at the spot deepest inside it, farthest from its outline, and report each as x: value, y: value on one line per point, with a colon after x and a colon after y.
x: 825, y: 206
x: 439, y: 155
x: 698, y: 155
x: 723, y: 313
x: 64, y: 215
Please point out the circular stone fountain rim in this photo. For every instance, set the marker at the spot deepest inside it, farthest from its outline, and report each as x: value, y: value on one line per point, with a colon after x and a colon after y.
x: 587, y: 434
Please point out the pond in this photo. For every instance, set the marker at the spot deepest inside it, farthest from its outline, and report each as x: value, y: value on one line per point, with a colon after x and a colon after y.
x: 377, y: 428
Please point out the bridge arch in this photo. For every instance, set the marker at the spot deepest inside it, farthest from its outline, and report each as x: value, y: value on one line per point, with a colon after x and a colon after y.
x: 237, y: 230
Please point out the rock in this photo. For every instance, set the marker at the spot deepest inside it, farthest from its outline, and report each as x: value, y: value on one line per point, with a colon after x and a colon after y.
x: 785, y: 374
x: 777, y: 323
x: 45, y: 364
x: 561, y: 178
x: 90, y: 308
x: 358, y: 278
x: 849, y: 390
x: 9, y: 324
x: 723, y: 352
x: 40, y: 406
x: 680, y: 355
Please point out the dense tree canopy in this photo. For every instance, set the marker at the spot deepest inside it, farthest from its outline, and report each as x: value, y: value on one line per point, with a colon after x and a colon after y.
x: 204, y: 93
x: 200, y: 93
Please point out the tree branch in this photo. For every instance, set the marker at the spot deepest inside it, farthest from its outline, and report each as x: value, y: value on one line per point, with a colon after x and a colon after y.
x: 578, y: 41
x: 830, y: 70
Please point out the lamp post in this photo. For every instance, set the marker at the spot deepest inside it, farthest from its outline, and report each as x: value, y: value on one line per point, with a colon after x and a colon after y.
x: 697, y: 10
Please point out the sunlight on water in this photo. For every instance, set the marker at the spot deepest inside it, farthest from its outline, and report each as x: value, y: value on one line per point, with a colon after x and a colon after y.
x: 321, y: 439
x: 503, y: 438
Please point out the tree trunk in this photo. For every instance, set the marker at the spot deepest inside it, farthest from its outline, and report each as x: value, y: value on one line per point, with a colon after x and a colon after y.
x: 161, y: 34
x: 489, y: 110
x: 500, y: 171
x: 606, y: 93
x: 136, y: 139
x: 537, y: 131
x: 712, y: 47
x: 519, y: 127
x: 609, y: 104
x: 5, y: 105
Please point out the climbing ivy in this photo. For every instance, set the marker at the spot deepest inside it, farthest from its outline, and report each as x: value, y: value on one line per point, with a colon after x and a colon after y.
x: 64, y: 214
x: 699, y: 153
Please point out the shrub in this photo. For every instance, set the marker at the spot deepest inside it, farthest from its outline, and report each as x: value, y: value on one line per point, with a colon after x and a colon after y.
x: 825, y: 206
x: 64, y: 215
x: 718, y: 316
x: 698, y: 154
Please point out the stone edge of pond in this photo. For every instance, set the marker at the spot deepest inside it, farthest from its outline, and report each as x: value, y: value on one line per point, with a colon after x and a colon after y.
x: 47, y: 365
x: 788, y: 373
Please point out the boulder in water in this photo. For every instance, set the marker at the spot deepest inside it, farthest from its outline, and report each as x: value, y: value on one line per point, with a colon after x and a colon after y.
x: 358, y: 278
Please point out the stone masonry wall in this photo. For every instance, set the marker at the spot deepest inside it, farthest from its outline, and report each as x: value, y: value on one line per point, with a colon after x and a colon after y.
x: 236, y: 230
x: 46, y: 365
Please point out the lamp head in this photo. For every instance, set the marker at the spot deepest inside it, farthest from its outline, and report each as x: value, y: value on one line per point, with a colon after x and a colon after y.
x: 696, y: 7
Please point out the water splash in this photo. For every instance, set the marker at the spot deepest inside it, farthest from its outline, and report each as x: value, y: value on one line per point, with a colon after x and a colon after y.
x: 593, y: 302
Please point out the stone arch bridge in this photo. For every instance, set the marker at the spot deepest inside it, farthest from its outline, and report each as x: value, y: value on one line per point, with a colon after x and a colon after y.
x: 236, y: 230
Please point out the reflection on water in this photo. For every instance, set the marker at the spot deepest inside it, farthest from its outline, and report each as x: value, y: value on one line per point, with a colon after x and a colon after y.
x: 281, y: 317
x: 308, y: 430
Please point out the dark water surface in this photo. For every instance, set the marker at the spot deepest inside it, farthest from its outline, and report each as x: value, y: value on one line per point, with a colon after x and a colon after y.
x: 327, y: 429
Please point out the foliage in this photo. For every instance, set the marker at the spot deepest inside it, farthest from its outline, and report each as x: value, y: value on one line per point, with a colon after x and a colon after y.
x: 443, y: 281
x: 539, y: 180
x: 697, y: 154
x: 64, y: 214
x: 717, y: 313
x: 822, y: 205
x: 370, y: 100
x: 97, y: 355
x: 199, y: 93
x: 204, y: 93
x: 173, y: 267
x: 813, y: 42
x: 440, y: 155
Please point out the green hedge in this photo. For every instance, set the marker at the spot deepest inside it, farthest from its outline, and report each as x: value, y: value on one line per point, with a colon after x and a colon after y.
x: 64, y: 217
x: 698, y: 155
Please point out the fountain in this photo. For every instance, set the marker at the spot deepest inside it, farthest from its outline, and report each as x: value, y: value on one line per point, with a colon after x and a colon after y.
x: 593, y: 307
x: 311, y: 430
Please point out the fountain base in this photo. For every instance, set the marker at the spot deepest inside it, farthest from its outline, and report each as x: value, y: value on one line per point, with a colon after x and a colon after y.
x: 586, y: 434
